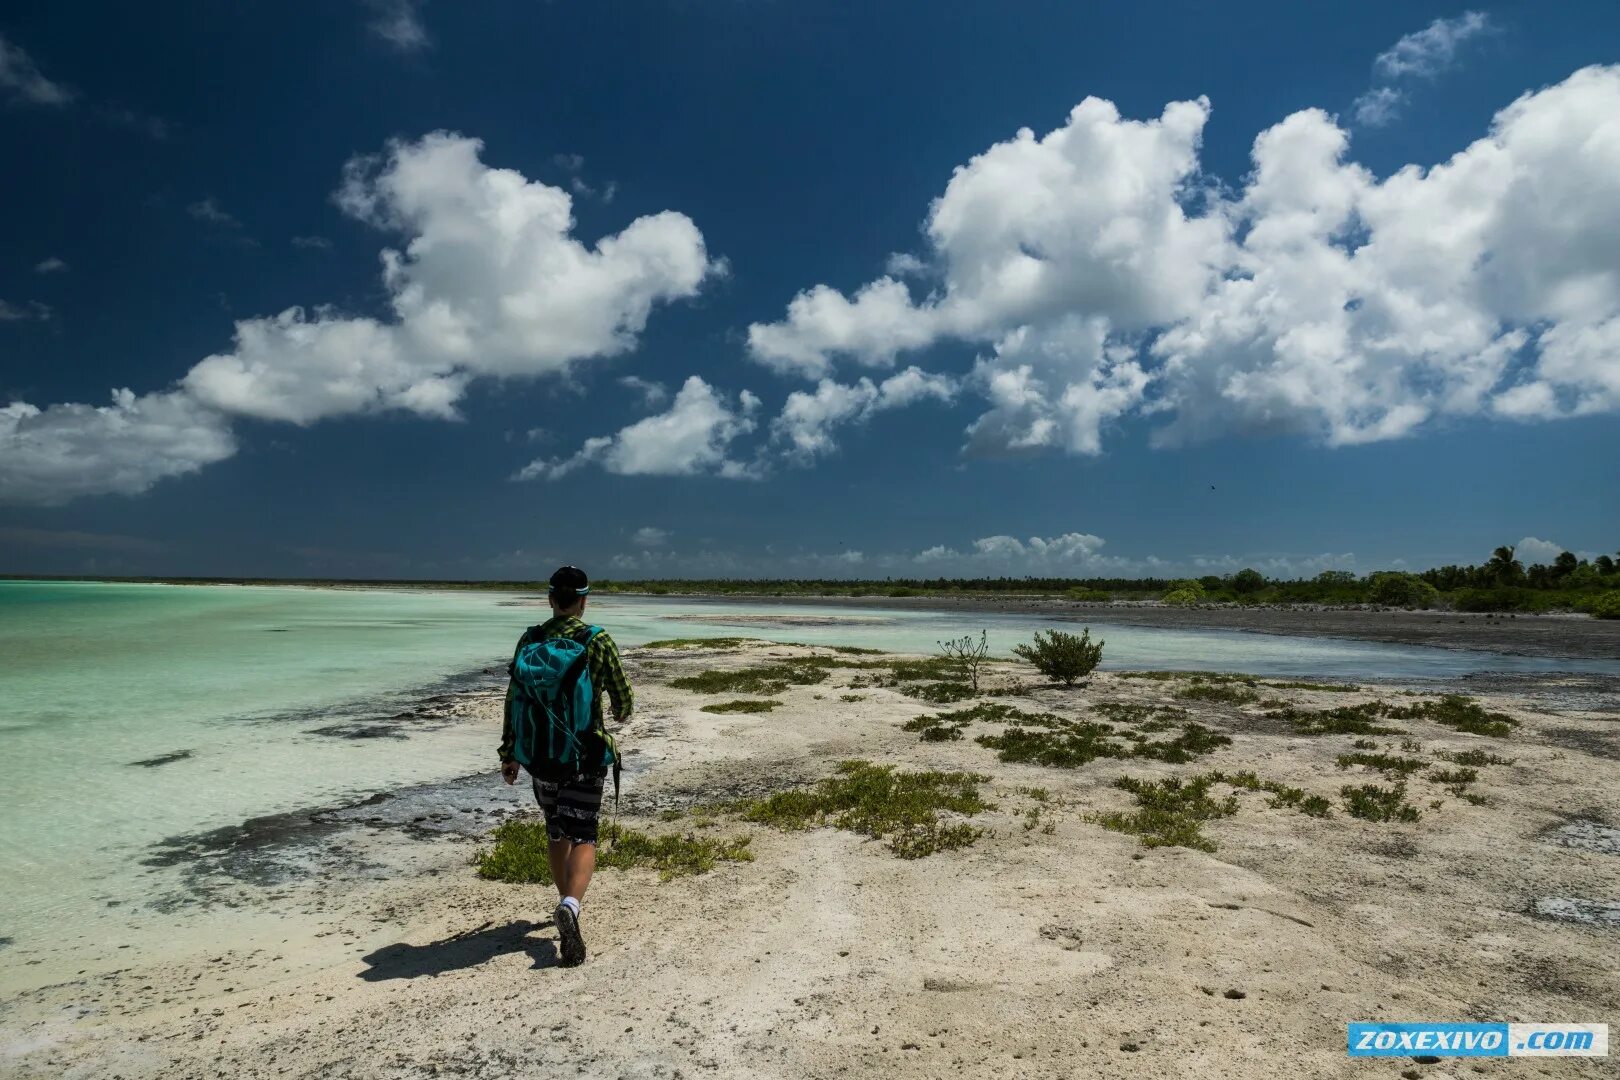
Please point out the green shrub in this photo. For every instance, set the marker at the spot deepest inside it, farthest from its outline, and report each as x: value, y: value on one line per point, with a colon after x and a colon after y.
x: 1247, y: 582
x: 1370, y: 802
x: 1182, y: 598
x: 767, y: 679
x: 1171, y: 812
x: 1344, y: 720
x: 1388, y: 764
x: 1458, y: 712
x: 1090, y: 596
x: 938, y: 693
x: 877, y: 801
x: 1606, y: 606
x: 1061, y: 657
x: 1394, y: 589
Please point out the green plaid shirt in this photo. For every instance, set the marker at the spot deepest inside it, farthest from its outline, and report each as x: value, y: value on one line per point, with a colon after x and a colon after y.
x: 601, y: 656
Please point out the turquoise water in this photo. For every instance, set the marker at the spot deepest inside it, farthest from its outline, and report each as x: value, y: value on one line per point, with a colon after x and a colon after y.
x: 95, y: 677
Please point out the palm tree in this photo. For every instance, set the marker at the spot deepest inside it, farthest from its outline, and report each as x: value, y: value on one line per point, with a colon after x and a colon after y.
x: 1503, y: 567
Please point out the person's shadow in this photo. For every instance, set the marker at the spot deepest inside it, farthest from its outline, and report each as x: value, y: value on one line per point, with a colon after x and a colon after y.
x: 464, y: 950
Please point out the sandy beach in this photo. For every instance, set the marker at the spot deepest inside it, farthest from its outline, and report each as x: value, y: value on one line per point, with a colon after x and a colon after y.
x: 357, y: 941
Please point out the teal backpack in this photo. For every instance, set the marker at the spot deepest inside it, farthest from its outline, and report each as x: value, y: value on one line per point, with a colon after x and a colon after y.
x: 549, y: 707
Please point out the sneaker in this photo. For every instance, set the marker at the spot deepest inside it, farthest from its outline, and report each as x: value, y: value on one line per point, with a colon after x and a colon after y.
x: 573, y: 945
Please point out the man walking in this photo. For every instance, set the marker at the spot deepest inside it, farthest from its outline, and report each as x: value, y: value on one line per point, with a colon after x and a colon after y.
x: 554, y: 728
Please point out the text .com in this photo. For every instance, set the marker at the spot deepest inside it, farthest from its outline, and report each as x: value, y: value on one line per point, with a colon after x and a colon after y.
x: 1479, y: 1040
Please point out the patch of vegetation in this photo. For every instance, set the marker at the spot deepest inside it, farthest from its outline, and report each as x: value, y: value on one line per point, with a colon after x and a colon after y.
x: 1606, y: 606
x: 934, y: 729
x: 1388, y: 764
x: 1062, y: 657
x: 939, y: 693
x: 1076, y: 744
x: 1369, y: 802
x: 1455, y: 781
x: 1228, y: 695
x: 1460, y: 713
x: 1282, y: 795
x: 1475, y: 758
x: 1364, y: 744
x: 1194, y: 741
x: 741, y: 706
x: 851, y: 650
x: 519, y: 854
x: 765, y: 679
x: 851, y: 697
x: 902, y: 808
x: 1332, y: 688
x: 704, y: 643
x: 1344, y: 720
x: 1144, y: 717
x: 1170, y: 812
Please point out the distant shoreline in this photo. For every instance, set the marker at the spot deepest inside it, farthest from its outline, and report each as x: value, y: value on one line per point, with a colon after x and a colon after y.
x: 1573, y: 637
x: 1548, y: 636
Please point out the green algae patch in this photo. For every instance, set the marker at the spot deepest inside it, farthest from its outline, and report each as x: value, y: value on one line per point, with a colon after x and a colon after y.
x: 519, y: 854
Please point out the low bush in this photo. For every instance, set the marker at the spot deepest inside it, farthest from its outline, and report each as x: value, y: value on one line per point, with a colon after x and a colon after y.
x: 1388, y: 764
x: 1392, y: 588
x: 1606, y: 605
x: 1170, y: 812
x: 1062, y: 657
x: 1369, y: 802
x: 874, y: 800
x: 1182, y: 598
x: 1457, y: 712
x: 766, y: 679
x: 1344, y: 720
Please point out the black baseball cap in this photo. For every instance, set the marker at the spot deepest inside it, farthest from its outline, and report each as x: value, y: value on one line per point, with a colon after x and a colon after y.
x: 570, y: 580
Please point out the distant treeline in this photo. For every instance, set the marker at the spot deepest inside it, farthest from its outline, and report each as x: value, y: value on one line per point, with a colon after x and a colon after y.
x: 1501, y: 583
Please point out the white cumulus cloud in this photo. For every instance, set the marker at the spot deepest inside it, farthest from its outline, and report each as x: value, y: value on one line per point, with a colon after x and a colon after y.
x: 805, y: 424
x: 1109, y: 279
x: 51, y: 456
x: 692, y: 437
x: 488, y: 280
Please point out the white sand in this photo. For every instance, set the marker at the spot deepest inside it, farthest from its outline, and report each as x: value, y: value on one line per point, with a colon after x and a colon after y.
x: 1074, y: 952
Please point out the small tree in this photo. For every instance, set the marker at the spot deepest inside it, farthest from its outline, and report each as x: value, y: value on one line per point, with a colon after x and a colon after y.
x: 1247, y: 581
x: 1064, y: 658
x: 968, y: 655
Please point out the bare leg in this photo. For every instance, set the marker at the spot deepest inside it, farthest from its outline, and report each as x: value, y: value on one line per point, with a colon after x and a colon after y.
x: 571, y: 867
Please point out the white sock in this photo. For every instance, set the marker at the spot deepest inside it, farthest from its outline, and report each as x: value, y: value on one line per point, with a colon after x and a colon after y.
x: 572, y: 905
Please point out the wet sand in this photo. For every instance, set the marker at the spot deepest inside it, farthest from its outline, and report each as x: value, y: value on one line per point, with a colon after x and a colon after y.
x: 356, y: 941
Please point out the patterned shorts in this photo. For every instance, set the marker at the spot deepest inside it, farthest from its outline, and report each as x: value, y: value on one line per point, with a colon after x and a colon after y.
x: 571, y: 805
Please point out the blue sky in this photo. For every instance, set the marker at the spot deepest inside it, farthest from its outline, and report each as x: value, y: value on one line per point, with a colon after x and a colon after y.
x: 746, y: 288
